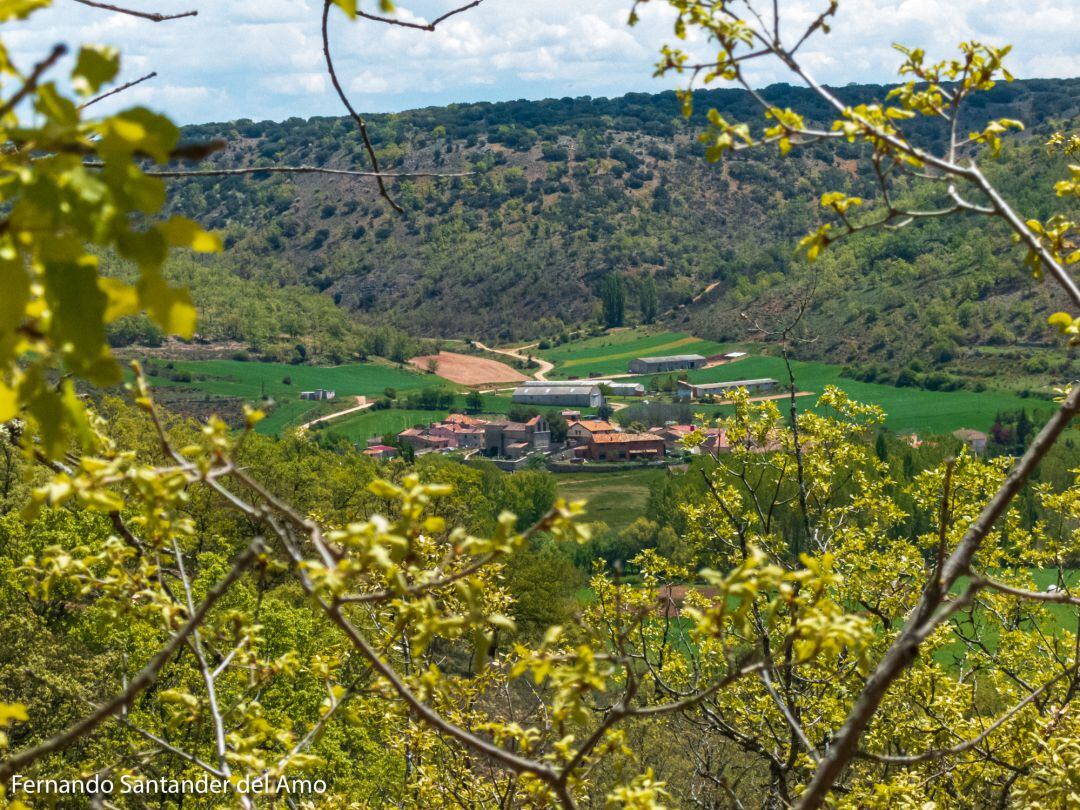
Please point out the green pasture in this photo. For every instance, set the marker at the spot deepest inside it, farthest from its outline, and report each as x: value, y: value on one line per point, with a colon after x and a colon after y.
x: 611, y: 353
x: 251, y: 380
x: 908, y: 409
x: 616, y: 498
x: 362, y: 425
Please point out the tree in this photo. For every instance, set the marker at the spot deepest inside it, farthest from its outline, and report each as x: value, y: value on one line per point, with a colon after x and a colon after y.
x: 881, y: 447
x: 557, y: 425
x: 474, y: 401
x: 613, y: 298
x: 648, y: 300
x: 954, y: 177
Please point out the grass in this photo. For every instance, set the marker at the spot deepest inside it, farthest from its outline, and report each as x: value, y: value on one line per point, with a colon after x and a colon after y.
x: 361, y: 426
x: 612, y: 353
x: 1062, y: 617
x: 907, y: 409
x: 617, y: 498
x: 249, y: 381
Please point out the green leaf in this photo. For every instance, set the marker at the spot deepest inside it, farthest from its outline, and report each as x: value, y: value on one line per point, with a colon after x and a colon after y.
x: 15, y: 283
x: 9, y: 403
x: 123, y: 298
x: 12, y: 711
x: 56, y: 108
x: 96, y: 65
x: 146, y: 248
x: 20, y: 9
x: 78, y: 307
x: 169, y: 307
x: 137, y: 130
x: 183, y: 232
x: 348, y: 6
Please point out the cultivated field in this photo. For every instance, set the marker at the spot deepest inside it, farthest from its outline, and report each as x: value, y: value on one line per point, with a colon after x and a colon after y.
x: 468, y: 370
x: 616, y: 498
x: 611, y: 353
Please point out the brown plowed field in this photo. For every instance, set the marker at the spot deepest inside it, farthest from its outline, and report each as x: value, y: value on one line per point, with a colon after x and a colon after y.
x: 468, y: 370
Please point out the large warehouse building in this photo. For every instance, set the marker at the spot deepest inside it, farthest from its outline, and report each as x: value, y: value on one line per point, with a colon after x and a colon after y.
x: 580, y: 395
x: 618, y: 388
x: 674, y: 362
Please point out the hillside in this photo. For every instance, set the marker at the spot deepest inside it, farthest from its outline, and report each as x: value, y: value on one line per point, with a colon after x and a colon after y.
x: 566, y: 191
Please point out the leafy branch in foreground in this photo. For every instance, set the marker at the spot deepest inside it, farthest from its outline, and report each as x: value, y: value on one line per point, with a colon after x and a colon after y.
x: 742, y: 33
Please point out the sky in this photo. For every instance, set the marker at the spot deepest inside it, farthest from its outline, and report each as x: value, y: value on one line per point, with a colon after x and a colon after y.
x: 262, y: 59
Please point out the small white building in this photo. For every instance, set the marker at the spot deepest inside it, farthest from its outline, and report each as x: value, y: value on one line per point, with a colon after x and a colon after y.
x: 319, y: 394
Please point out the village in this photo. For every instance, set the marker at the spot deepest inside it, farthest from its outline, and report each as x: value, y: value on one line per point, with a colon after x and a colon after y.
x: 590, y: 435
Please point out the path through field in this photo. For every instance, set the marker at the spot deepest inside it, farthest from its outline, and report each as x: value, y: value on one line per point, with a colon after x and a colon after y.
x: 545, y: 366
x: 361, y: 404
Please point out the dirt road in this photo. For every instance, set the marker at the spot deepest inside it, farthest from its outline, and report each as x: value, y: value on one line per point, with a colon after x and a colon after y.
x: 361, y: 404
x: 545, y: 366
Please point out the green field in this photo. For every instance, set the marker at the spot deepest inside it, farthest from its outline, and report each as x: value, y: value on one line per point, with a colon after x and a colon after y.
x: 250, y: 380
x: 363, y: 425
x: 611, y: 353
x: 616, y: 498
x: 908, y: 409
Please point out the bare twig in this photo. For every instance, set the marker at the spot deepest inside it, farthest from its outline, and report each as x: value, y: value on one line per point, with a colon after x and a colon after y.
x: 119, y: 89
x: 31, y: 82
x: 431, y: 26
x: 153, y: 16
x: 360, y: 124
x: 280, y: 170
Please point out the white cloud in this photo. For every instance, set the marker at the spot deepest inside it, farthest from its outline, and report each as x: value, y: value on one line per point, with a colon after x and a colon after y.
x: 295, y: 84
x: 371, y: 83
x: 263, y: 58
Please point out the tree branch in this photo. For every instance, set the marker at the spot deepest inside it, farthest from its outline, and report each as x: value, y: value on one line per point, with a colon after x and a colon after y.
x: 361, y: 125
x: 925, y: 617
x: 142, y: 680
x: 119, y: 89
x: 153, y: 16
x: 32, y: 80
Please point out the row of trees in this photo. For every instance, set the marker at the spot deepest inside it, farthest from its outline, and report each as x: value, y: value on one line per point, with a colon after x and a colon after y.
x: 613, y: 299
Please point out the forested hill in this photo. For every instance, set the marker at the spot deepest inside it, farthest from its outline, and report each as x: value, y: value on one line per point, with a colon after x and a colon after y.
x: 565, y: 191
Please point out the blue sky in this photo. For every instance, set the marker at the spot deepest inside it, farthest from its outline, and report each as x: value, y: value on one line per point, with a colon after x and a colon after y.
x: 262, y: 59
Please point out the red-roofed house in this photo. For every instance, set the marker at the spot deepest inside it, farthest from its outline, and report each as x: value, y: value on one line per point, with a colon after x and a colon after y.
x: 580, y: 432
x: 624, y: 447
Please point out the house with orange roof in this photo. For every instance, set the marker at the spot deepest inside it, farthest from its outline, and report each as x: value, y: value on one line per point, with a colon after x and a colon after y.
x: 624, y: 447
x: 581, y: 431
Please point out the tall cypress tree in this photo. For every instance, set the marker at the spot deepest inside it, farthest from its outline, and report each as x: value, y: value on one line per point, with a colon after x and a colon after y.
x: 613, y: 297
x: 648, y: 300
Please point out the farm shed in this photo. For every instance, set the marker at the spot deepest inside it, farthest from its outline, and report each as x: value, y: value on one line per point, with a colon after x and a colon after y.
x: 587, y: 396
x: 674, y: 362
x: 696, y: 391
